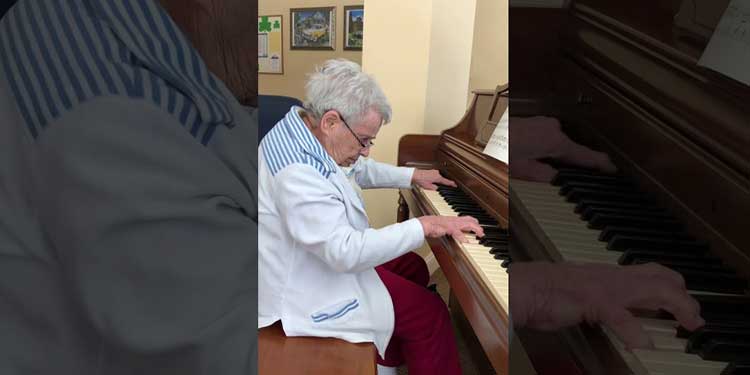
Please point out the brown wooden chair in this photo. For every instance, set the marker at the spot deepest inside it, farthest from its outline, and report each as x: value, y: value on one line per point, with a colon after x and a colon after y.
x: 281, y: 355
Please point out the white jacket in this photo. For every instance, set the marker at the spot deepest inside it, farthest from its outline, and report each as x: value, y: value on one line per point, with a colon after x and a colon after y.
x: 317, y: 252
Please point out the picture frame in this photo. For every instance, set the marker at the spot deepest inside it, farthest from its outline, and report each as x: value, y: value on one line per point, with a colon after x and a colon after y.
x: 270, y: 44
x: 312, y: 28
x: 354, y: 16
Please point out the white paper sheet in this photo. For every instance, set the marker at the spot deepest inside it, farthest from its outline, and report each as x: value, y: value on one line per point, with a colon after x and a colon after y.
x: 497, y: 146
x: 728, y: 51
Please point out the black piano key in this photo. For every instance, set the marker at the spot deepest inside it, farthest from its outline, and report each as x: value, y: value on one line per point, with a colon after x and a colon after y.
x: 493, y: 243
x: 697, y: 266
x: 570, y: 185
x: 715, y: 282
x: 563, y: 177
x: 499, y: 250
x: 674, y: 260
x: 700, y: 261
x: 725, y: 349
x: 589, y: 211
x: 576, y: 194
x: 496, y: 235
x: 601, y: 221
x: 566, y: 169
x: 610, y: 231
x: 741, y: 367
x: 466, y: 207
x: 586, y: 202
x: 498, y: 231
x: 737, y: 325
x: 490, y: 242
x: 621, y: 242
x: 700, y: 337
x: 502, y: 256
x: 460, y: 200
x: 487, y: 227
x: 713, y: 305
x: 453, y: 201
x: 506, y: 263
x: 457, y: 194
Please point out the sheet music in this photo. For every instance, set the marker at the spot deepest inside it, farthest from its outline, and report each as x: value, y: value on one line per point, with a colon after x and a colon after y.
x: 497, y: 146
x: 728, y: 52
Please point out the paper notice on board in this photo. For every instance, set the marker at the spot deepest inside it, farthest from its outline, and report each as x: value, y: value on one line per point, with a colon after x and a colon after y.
x: 497, y: 146
x: 728, y: 51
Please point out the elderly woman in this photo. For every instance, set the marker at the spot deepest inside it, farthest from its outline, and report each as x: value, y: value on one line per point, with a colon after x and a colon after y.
x: 323, y: 270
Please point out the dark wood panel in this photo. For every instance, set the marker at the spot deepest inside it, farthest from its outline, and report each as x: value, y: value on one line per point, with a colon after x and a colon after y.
x: 670, y: 85
x: 416, y: 148
x: 534, y: 42
x: 225, y: 34
x: 281, y: 355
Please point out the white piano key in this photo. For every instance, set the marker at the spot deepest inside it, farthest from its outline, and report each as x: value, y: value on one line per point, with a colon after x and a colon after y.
x: 671, y: 362
x: 492, y: 274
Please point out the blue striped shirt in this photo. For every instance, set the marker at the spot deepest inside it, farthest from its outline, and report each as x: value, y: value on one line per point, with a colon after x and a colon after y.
x: 291, y: 142
x: 59, y: 54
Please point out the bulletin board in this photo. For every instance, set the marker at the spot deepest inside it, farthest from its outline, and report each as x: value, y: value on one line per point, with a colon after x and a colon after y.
x: 270, y: 45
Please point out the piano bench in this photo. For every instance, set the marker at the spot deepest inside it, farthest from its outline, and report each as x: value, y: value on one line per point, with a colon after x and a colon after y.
x: 281, y: 355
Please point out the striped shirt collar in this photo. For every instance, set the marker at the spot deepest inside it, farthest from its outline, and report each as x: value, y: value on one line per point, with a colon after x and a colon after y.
x: 58, y: 54
x: 304, y: 138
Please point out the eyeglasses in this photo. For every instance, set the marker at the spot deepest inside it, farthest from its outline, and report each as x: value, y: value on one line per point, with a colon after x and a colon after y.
x: 364, y: 146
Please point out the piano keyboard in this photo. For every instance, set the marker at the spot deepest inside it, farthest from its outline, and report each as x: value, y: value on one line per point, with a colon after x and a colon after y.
x: 591, y: 217
x: 489, y: 255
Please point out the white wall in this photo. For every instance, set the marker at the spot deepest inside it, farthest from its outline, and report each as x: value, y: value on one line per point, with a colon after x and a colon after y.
x: 427, y: 55
x: 450, y: 62
x: 489, y: 61
x: 396, y: 51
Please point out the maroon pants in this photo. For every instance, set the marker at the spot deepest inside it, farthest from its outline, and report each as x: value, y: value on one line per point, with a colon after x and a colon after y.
x: 422, y: 336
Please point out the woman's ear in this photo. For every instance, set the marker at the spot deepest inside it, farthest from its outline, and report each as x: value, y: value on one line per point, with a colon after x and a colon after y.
x: 328, y: 121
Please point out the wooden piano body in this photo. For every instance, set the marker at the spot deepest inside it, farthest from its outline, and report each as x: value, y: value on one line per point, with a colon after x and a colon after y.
x: 624, y: 79
x: 458, y: 155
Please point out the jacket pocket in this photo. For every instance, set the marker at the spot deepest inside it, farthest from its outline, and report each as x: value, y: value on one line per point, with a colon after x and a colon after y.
x: 335, y: 311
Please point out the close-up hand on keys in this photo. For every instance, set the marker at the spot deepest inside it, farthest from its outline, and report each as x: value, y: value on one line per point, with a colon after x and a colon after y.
x: 591, y: 217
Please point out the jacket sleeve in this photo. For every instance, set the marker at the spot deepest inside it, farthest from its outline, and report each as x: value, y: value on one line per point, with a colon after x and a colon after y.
x: 316, y: 218
x: 371, y: 174
x: 154, y: 249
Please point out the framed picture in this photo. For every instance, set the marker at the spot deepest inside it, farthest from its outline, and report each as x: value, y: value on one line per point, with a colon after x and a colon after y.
x: 270, y: 45
x: 354, y: 20
x: 313, y: 28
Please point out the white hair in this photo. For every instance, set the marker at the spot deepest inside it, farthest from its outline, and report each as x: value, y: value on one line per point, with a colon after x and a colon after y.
x: 342, y: 85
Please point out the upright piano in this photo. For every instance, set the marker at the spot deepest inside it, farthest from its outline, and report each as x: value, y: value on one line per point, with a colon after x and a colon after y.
x: 476, y: 271
x: 623, y: 77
